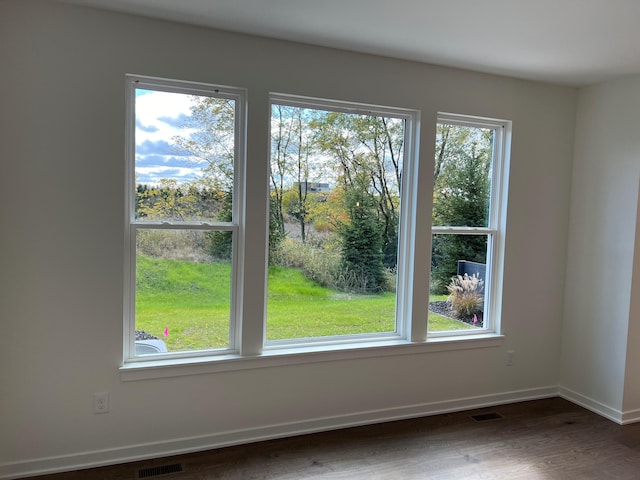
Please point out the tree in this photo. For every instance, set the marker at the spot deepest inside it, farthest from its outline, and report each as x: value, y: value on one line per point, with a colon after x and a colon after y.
x: 281, y: 137
x: 292, y: 147
x: 461, y: 198
x: 276, y: 234
x: 171, y: 201
x: 221, y: 242
x: 212, y: 139
x: 167, y: 201
x: 301, y: 209
x: 362, y: 257
x: 368, y: 147
x: 328, y: 210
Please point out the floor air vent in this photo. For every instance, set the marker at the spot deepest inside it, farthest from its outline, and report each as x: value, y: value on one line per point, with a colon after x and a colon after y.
x: 161, y: 470
x: 486, y: 416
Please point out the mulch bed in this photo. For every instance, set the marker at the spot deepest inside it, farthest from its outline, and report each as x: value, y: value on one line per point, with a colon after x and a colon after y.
x: 443, y: 308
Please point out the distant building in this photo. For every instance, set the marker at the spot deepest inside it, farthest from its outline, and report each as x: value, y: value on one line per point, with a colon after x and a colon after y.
x: 312, y: 187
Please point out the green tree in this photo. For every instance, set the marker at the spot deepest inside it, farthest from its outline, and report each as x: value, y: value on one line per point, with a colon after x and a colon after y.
x: 276, y: 229
x: 461, y: 198
x: 221, y: 242
x: 362, y: 256
x: 328, y: 210
x: 281, y: 137
x: 292, y: 162
x: 368, y: 147
x: 212, y: 140
x: 167, y: 201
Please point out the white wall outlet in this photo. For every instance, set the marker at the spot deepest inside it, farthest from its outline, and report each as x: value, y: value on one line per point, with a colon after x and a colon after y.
x: 101, y: 402
x: 509, y: 358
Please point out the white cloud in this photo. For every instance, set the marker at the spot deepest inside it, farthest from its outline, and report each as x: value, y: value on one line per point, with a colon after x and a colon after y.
x: 160, y: 172
x: 152, y: 107
x: 160, y: 118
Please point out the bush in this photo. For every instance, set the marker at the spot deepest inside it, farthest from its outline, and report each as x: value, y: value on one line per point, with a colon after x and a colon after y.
x: 320, y: 265
x: 320, y: 260
x: 358, y: 281
x: 173, y: 244
x: 466, y: 295
x: 221, y: 242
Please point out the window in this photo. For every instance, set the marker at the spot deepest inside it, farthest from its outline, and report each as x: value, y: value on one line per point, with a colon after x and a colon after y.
x: 467, y: 226
x: 336, y: 205
x: 185, y: 160
x: 344, y: 230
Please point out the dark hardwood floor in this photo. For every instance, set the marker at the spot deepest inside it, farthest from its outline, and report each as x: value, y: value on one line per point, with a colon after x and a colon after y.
x: 542, y: 439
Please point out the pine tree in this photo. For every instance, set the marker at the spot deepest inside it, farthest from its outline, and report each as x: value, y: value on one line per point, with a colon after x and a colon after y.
x: 362, y: 257
x: 462, y: 199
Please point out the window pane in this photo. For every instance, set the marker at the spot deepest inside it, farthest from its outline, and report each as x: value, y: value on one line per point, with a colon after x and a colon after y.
x: 459, y: 278
x: 335, y: 203
x: 183, y: 288
x: 184, y: 156
x: 462, y: 174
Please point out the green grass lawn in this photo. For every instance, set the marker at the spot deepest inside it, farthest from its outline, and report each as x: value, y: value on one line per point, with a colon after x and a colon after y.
x: 191, y: 300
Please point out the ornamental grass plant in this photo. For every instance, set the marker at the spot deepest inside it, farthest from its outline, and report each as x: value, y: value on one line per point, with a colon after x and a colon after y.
x: 466, y: 295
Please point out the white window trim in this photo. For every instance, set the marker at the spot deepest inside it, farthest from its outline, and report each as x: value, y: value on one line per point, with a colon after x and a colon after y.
x: 495, y: 230
x: 406, y: 233
x: 132, y: 82
x: 164, y: 368
x: 410, y: 337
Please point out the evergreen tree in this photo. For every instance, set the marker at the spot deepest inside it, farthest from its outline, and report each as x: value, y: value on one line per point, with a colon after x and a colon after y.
x: 462, y: 194
x: 372, y: 146
x: 362, y: 257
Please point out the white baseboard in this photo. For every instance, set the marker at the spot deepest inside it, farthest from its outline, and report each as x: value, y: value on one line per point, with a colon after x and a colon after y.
x: 632, y: 416
x: 129, y: 453
x: 591, y: 404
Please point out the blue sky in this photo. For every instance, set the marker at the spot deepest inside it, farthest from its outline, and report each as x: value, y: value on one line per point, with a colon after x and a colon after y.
x: 160, y: 118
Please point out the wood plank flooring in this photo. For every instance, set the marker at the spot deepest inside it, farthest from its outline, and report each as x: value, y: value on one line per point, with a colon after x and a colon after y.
x: 542, y: 439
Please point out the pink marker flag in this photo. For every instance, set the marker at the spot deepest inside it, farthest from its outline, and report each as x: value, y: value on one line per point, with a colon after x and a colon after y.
x: 166, y: 331
x: 475, y: 318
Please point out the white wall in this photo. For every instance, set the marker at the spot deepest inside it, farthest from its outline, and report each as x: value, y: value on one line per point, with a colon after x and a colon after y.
x: 600, y: 351
x: 61, y: 204
x: 631, y: 400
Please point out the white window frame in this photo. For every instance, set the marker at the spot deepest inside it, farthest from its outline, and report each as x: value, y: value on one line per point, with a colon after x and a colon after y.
x: 415, y: 232
x: 132, y: 225
x: 495, y: 229
x: 406, y: 221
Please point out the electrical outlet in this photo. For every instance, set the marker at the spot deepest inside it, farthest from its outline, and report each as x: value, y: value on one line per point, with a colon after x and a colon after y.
x: 509, y: 358
x: 101, y: 402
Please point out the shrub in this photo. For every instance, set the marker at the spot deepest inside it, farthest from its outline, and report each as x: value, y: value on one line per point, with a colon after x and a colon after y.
x: 173, y: 244
x: 320, y: 261
x: 358, y: 281
x: 320, y: 265
x: 466, y: 295
x: 221, y: 242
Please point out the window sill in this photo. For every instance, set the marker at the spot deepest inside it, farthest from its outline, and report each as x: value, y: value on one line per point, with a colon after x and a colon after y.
x: 164, y: 368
